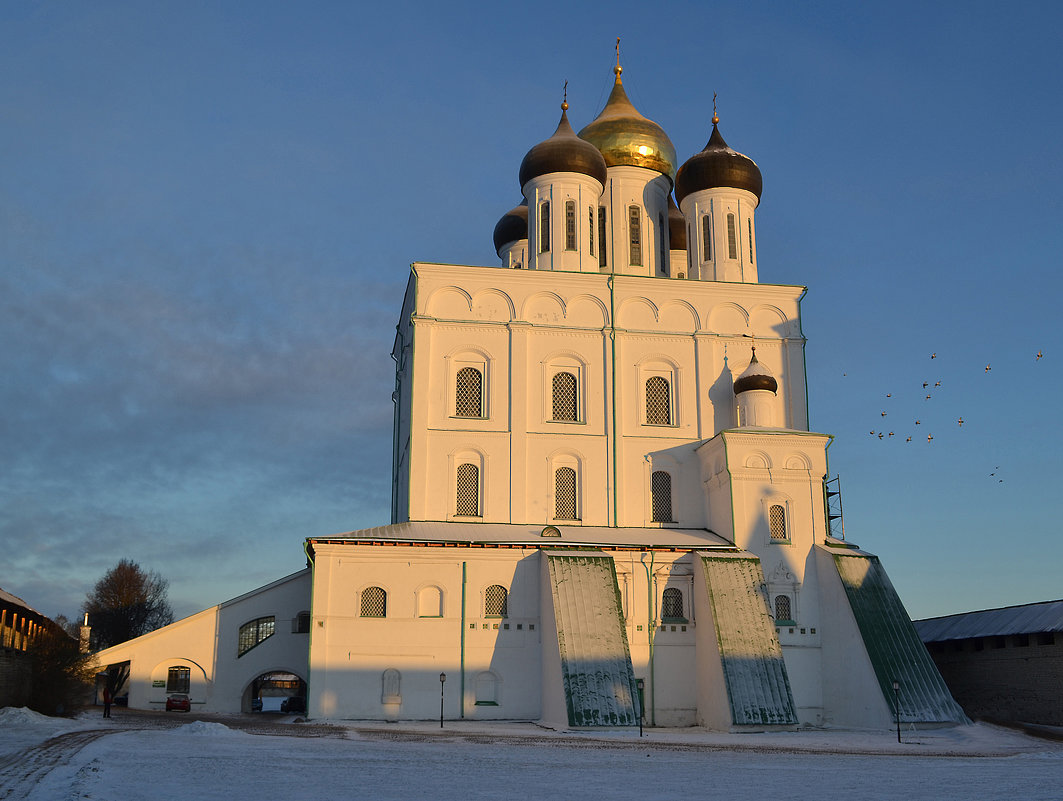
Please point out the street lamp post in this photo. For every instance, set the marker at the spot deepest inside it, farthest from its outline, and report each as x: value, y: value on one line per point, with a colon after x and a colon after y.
x: 897, y: 706
x: 442, y: 680
x: 641, y: 684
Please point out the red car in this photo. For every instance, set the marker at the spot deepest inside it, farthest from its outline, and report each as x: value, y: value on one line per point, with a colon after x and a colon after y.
x: 178, y: 702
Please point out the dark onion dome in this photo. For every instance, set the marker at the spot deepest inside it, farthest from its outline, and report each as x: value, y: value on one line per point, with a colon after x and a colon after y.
x: 756, y: 376
x: 715, y: 166
x: 512, y: 227
x: 677, y: 227
x: 563, y: 152
x: 626, y: 138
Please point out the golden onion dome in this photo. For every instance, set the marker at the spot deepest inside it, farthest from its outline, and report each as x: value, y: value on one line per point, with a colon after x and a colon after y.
x: 718, y: 166
x: 513, y: 227
x: 562, y: 152
x: 627, y: 138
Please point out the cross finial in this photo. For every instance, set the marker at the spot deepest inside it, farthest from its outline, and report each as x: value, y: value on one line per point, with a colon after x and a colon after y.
x: 618, y: 69
x: 564, y: 97
x: 715, y: 116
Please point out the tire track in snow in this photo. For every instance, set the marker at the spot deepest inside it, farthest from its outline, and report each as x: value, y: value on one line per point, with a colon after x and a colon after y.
x: 20, y: 772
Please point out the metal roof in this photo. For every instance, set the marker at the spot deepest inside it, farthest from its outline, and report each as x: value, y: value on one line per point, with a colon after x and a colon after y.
x: 14, y: 600
x: 1025, y: 619
x: 506, y: 534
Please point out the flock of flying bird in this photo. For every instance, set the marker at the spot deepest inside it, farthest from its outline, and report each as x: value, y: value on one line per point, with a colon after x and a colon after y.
x: 885, y: 435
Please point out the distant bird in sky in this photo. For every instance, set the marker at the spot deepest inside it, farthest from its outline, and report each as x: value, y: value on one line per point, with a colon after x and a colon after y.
x: 988, y: 368
x: 937, y: 384
x: 1038, y: 356
x: 891, y: 433
x: 880, y: 435
x: 889, y: 394
x: 960, y: 421
x: 925, y: 385
x: 929, y: 437
x: 908, y: 440
x: 883, y: 414
x: 933, y: 355
x: 917, y: 422
x: 928, y: 397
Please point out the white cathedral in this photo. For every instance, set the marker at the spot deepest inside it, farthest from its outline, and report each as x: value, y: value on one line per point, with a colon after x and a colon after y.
x: 606, y: 502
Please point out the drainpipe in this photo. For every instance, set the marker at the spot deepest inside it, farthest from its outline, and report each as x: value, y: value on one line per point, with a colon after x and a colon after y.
x: 461, y: 688
x: 612, y: 342
x: 651, y: 618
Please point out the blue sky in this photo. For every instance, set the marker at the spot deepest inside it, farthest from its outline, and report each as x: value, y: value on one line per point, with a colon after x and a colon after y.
x: 208, y: 212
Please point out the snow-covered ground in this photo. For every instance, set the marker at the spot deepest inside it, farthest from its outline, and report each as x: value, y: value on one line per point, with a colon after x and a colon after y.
x: 135, y: 757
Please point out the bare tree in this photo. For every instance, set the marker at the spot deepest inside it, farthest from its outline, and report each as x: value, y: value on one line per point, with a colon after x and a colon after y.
x: 126, y: 603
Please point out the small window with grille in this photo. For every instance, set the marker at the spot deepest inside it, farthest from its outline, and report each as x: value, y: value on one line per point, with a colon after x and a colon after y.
x: 732, y: 238
x: 374, y: 602
x: 178, y: 680
x: 496, y: 601
x: 301, y: 623
x: 565, y: 494
x: 544, y: 227
x: 783, y: 612
x: 468, y: 491
x: 570, y: 225
x: 634, y: 230
x: 661, y: 496
x: 565, y: 397
x: 777, y: 523
x: 672, y: 606
x: 469, y: 393
x: 706, y: 238
x: 658, y: 401
x: 590, y: 229
x: 602, y: 261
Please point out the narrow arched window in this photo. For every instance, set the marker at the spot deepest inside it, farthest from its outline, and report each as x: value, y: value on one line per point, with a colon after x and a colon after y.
x: 565, y: 494
x: 777, y: 522
x: 390, y: 686
x: 496, y: 601
x: 565, y: 397
x: 658, y: 401
x: 634, y: 231
x: 430, y: 602
x: 602, y: 261
x: 662, y: 234
x: 374, y: 602
x: 468, y: 393
x: 732, y: 237
x: 782, y: 608
x: 544, y: 227
x: 590, y: 229
x: 468, y: 490
x: 661, y: 496
x: 570, y: 225
x: 706, y: 238
x: 749, y: 225
x: 672, y: 604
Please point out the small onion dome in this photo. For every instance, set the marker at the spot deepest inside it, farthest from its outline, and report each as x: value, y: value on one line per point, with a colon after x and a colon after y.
x: 512, y: 227
x: 677, y: 227
x: 627, y: 138
x: 756, y: 376
x: 563, y: 152
x: 717, y: 165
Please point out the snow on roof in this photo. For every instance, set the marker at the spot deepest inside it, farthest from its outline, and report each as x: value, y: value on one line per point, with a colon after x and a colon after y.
x: 1026, y: 619
x: 8, y: 598
x: 432, y: 532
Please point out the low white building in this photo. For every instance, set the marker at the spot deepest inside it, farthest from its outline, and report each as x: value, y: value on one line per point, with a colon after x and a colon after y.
x: 606, y: 499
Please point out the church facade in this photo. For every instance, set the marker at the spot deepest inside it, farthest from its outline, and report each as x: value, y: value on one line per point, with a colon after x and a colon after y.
x: 607, y: 504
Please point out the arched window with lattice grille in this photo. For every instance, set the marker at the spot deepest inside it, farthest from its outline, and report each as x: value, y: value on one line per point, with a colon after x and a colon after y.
x: 374, y: 602
x: 783, y: 611
x: 661, y: 496
x: 565, y: 397
x: 777, y: 523
x: 467, y: 491
x: 672, y: 605
x: 468, y: 393
x: 658, y: 401
x: 565, y: 506
x: 496, y: 601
